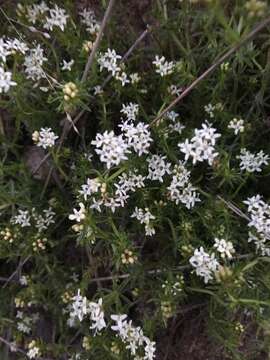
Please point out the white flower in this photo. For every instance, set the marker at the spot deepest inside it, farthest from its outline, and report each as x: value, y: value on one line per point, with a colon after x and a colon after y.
x: 133, y: 337
x: 237, y: 125
x: 177, y: 127
x: 180, y: 189
x: 45, y: 220
x: 98, y: 90
x: 209, y: 109
x: 46, y: 138
x: 163, y: 67
x: 91, y: 187
x: 89, y: 19
x: 67, y: 65
x: 149, y: 348
x: 205, y: 265
x: 122, y: 77
x: 145, y: 217
x: 5, y: 80
x: 158, y: 167
x: 97, y: 316
x: 16, y: 45
x: 111, y: 149
x: 259, y: 212
x: 172, y: 115
x: 202, y: 146
x: 34, y: 11
x: 33, y: 352
x: 127, y: 183
x: 135, y: 78
x: 120, y: 322
x: 225, y: 248
x: 57, y: 17
x: 252, y: 162
x: 174, y: 90
x: 79, y: 307
x: 108, y: 61
x: 33, y: 64
x: 23, y: 280
x: 96, y: 204
x: 4, y: 50
x: 131, y: 110
x: 23, y: 219
x: 78, y: 215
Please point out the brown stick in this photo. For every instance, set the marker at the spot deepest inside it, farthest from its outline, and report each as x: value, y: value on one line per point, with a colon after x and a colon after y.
x: 7, y: 343
x: 217, y: 63
x: 127, y: 54
x: 19, y: 267
x: 97, y: 41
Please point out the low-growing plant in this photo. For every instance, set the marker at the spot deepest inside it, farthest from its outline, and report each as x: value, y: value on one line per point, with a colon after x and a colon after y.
x: 134, y: 176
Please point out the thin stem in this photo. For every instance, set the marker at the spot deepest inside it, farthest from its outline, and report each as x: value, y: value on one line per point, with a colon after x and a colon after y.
x: 128, y: 53
x: 10, y: 346
x: 97, y: 41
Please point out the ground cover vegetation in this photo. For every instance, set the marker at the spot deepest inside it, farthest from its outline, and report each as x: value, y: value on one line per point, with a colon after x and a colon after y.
x: 134, y: 178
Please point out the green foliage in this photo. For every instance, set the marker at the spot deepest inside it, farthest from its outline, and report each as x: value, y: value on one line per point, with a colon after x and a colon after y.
x: 110, y: 254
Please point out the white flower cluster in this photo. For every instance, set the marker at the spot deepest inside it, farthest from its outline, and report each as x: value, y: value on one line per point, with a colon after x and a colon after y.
x: 78, y: 215
x: 91, y: 187
x: 5, y: 80
x: 180, y: 189
x: 252, y: 162
x: 237, y: 125
x: 81, y: 307
x: 88, y: 18
x: 40, y: 221
x: 34, y: 12
x: 8, y: 47
x: 11, y: 46
x: 49, y: 17
x: 57, y: 17
x: 174, y: 126
x: 131, y: 111
x: 46, y: 138
x: 128, y: 183
x: 158, y: 167
x: 205, y: 264
x: 33, y: 63
x: 145, y: 217
x: 202, y: 146
x: 259, y: 213
x: 133, y: 337
x: 163, y: 67
x: 138, y: 137
x: 112, y: 149
x: 109, y: 61
x: 225, y: 248
x: 22, y: 219
x: 33, y: 350
x: 25, y: 322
